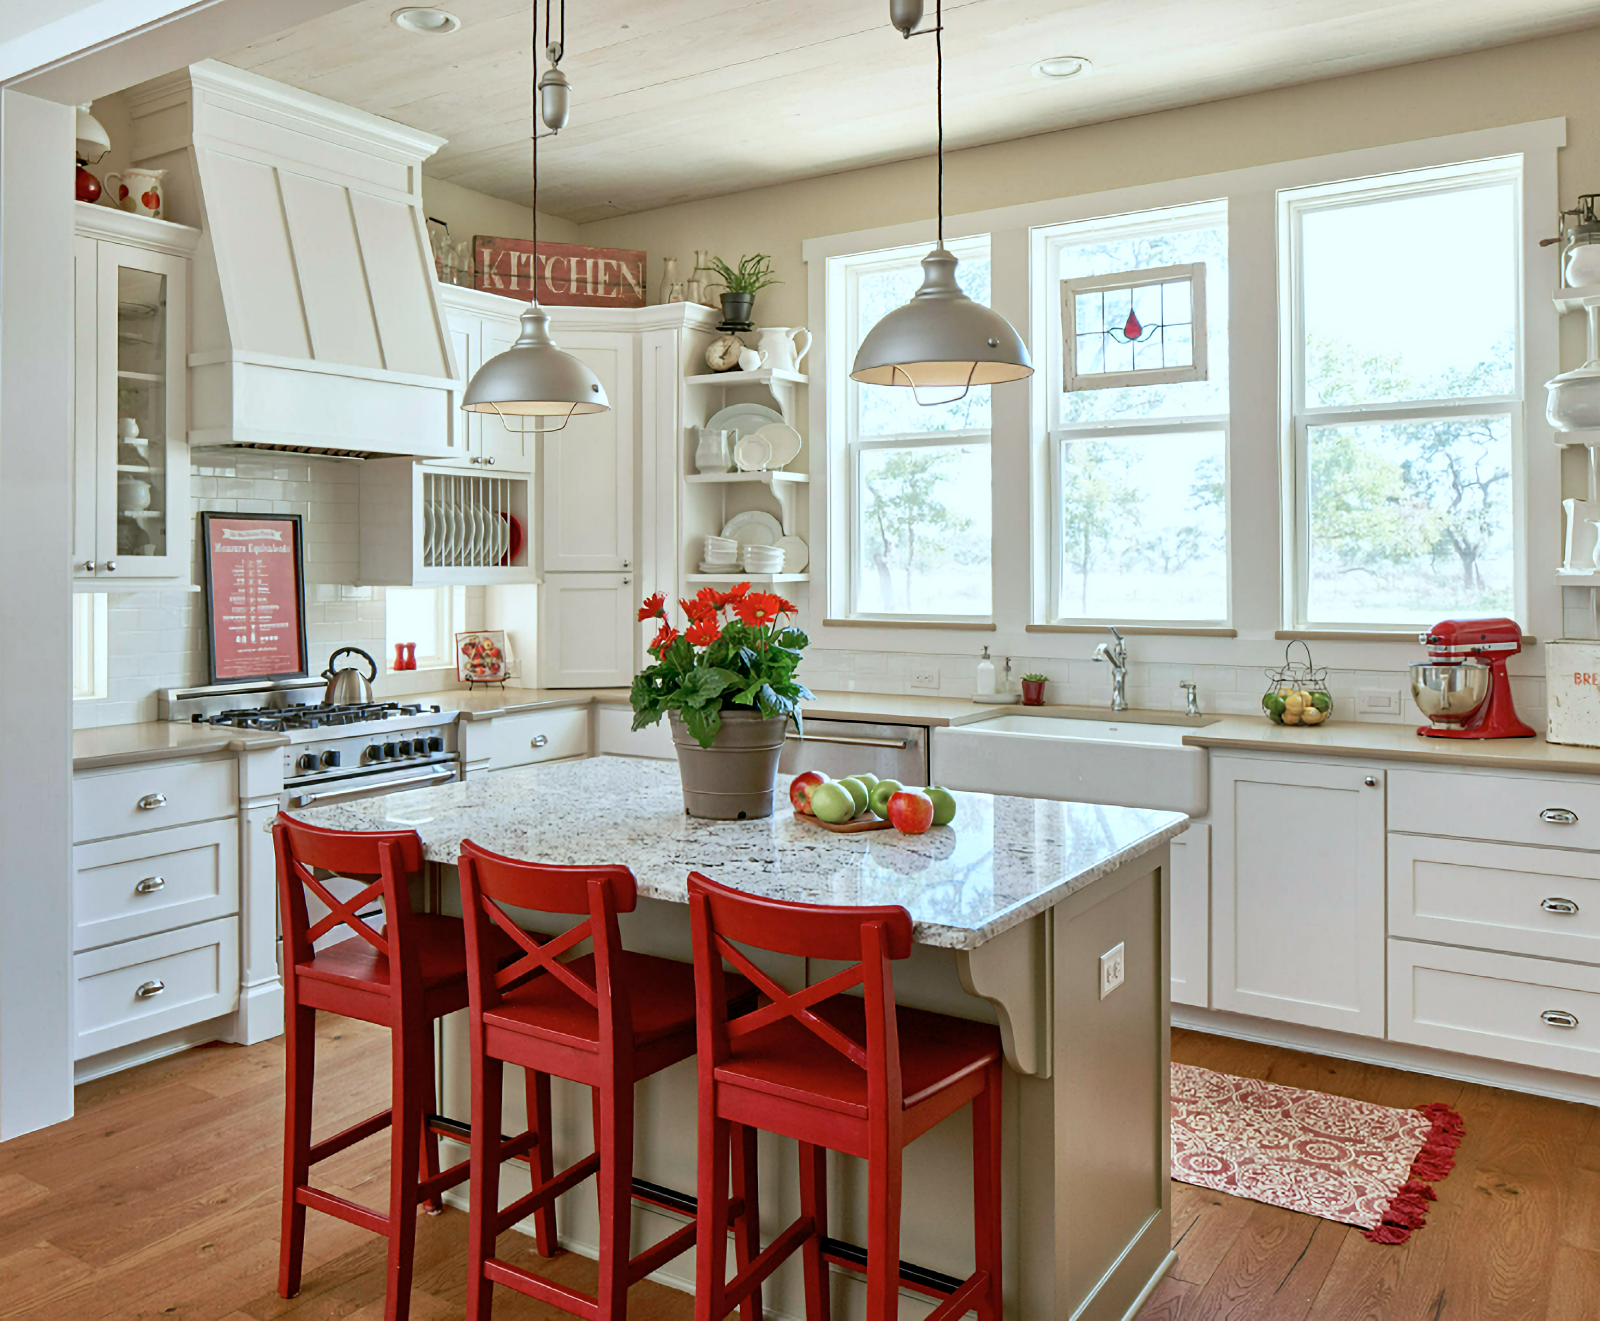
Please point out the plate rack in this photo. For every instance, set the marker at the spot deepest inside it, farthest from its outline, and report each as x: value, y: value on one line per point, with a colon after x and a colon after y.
x: 423, y: 526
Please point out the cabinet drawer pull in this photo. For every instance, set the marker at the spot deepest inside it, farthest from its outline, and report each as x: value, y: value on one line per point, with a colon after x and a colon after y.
x: 1371, y: 782
x: 1559, y: 1018
x: 539, y: 740
x: 145, y: 991
x: 1554, y: 905
x: 151, y: 884
x: 150, y: 802
x: 1559, y: 816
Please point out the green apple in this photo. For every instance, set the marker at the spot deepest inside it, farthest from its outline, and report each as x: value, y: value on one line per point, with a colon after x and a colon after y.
x: 858, y: 791
x: 944, y: 805
x: 833, y: 803
x: 867, y: 778
x: 882, y: 791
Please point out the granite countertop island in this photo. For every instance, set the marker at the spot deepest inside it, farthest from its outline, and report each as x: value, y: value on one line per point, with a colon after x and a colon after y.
x: 1002, y: 861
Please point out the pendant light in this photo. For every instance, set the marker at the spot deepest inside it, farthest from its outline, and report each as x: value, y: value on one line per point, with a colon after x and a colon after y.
x: 941, y: 337
x: 534, y: 378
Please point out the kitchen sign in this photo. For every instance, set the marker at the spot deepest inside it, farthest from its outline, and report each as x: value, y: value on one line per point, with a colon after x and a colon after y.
x: 569, y: 274
x: 255, y: 585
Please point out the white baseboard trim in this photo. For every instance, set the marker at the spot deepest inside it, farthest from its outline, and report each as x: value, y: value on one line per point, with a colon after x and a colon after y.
x: 259, y: 1016
x: 1392, y: 1054
x: 154, y: 1048
x: 1167, y: 1264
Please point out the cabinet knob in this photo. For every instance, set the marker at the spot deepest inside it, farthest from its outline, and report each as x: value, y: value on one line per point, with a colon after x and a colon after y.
x: 1559, y: 816
x: 539, y: 740
x: 1558, y: 1018
x: 110, y: 566
x: 150, y: 802
x: 1371, y: 781
x: 489, y: 462
x: 148, y: 989
x: 88, y: 566
x: 1566, y: 907
x: 150, y: 885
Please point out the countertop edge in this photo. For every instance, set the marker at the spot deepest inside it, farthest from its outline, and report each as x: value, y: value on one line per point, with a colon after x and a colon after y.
x: 232, y: 745
x: 1427, y: 753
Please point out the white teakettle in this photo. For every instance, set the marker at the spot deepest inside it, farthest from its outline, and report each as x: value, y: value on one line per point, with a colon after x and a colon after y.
x: 785, y: 348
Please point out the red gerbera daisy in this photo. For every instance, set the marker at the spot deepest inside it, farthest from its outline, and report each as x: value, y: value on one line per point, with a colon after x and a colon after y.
x: 758, y: 608
x: 654, y: 606
x: 665, y: 637
x: 734, y: 593
x: 703, y: 632
x: 697, y: 610
x: 788, y: 607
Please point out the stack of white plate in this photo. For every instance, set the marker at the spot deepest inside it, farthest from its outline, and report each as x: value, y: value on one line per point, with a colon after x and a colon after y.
x: 721, y: 555
x: 763, y: 559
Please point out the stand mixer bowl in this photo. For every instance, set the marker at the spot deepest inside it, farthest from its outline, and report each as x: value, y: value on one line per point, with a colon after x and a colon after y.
x: 1449, y: 694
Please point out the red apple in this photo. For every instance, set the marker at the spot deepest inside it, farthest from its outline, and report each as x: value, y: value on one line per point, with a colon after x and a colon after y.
x: 910, y: 811
x: 800, y: 789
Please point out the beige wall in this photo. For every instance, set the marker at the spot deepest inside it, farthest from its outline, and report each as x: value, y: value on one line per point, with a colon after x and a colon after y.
x: 1508, y: 85
x: 468, y: 213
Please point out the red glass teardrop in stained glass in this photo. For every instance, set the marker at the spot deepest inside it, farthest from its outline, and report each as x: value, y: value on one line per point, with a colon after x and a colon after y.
x: 1131, y: 327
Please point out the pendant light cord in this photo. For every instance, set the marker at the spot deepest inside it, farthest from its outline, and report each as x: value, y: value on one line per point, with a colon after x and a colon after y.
x: 938, y: 96
x: 533, y: 125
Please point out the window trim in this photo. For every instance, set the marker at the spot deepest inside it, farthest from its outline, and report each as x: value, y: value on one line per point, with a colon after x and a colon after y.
x: 91, y: 638
x: 1072, y: 381
x: 1293, y: 203
x: 449, y: 605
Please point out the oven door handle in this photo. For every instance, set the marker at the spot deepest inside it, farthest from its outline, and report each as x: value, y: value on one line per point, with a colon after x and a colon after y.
x: 338, y: 795
x: 899, y: 744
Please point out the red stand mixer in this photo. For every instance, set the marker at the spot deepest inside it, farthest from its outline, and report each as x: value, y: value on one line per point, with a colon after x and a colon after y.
x: 1463, y: 687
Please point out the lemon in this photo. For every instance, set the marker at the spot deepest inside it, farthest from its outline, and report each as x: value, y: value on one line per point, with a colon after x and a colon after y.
x: 1291, y: 718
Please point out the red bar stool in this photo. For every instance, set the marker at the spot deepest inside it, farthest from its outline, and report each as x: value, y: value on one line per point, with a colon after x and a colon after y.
x: 856, y: 1074
x: 606, y: 1020
x: 403, y: 977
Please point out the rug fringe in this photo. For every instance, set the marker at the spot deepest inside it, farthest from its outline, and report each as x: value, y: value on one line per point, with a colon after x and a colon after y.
x: 1408, y: 1208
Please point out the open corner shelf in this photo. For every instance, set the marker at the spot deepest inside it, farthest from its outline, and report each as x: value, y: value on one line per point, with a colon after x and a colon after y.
x: 1577, y: 298
x: 1578, y: 578
x: 766, y: 478
x: 761, y: 376
x: 754, y: 579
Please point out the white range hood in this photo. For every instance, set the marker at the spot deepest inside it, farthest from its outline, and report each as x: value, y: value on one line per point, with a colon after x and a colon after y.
x: 315, y: 326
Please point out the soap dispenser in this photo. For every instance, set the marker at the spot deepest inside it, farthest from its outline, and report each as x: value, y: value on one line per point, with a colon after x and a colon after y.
x: 985, y: 686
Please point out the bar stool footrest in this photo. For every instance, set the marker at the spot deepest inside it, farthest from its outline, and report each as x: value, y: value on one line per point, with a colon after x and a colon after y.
x: 570, y: 1177
x: 768, y: 1260
x: 350, y: 1136
x: 343, y: 1209
x: 545, y: 1291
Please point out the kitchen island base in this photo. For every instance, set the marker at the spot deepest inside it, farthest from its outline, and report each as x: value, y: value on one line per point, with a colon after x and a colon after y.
x: 1087, y: 1232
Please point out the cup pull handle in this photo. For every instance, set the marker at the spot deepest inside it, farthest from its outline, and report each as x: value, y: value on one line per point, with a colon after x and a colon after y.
x: 539, y: 740
x: 1559, y: 1018
x: 150, y: 885
x: 150, y: 802
x: 1554, y: 905
x: 145, y: 991
x: 1559, y: 816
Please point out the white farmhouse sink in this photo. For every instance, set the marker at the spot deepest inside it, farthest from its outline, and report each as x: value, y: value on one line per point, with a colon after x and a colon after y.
x: 1087, y: 761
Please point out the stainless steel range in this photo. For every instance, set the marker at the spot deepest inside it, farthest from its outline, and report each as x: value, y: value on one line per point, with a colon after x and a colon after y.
x: 335, y: 753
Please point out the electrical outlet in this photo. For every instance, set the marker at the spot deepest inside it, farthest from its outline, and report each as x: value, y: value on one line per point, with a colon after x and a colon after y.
x: 1112, y: 969
x: 1377, y: 701
x: 925, y: 678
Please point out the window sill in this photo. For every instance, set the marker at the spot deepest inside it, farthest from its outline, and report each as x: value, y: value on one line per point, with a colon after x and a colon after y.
x: 441, y: 668
x: 1408, y: 635
x: 968, y: 626
x: 1136, y: 630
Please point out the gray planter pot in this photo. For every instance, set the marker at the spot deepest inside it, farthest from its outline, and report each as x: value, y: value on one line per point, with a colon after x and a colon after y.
x: 734, y: 779
x: 738, y: 308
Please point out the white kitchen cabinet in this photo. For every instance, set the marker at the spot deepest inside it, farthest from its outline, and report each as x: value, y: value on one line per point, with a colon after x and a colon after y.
x: 587, y: 624
x: 478, y: 333
x: 1191, y: 916
x: 615, y: 736
x: 588, y: 465
x: 131, y: 519
x: 1298, y: 904
x: 426, y: 526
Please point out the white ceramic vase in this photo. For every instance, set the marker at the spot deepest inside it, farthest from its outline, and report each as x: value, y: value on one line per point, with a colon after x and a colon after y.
x: 785, y: 348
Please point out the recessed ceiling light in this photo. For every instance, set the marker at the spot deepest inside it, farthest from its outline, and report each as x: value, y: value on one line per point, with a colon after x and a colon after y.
x: 426, y: 20
x: 1062, y: 66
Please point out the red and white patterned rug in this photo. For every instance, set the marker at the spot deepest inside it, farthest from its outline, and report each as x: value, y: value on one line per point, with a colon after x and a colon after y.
x: 1352, y: 1161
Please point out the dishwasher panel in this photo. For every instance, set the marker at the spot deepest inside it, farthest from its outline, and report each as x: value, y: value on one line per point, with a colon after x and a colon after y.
x: 844, y: 747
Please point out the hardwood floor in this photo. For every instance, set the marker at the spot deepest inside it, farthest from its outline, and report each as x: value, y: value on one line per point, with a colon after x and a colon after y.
x: 159, y: 1199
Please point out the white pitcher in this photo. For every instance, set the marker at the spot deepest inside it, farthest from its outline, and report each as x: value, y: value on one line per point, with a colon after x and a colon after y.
x: 785, y: 348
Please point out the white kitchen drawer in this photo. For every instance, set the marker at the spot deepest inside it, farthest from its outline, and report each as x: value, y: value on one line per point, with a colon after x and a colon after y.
x: 1499, y: 1006
x: 1561, y: 813
x: 614, y: 735
x: 152, y: 796
x: 154, y: 881
x: 1510, y: 897
x: 539, y: 736
x: 195, y: 968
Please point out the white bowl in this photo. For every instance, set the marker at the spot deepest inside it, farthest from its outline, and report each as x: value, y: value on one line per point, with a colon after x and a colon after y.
x: 722, y: 543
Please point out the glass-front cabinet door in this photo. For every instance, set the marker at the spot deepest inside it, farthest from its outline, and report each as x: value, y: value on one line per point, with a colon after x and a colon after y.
x: 132, y: 417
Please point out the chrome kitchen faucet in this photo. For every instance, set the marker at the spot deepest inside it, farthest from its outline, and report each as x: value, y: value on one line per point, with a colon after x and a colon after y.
x: 1116, y: 653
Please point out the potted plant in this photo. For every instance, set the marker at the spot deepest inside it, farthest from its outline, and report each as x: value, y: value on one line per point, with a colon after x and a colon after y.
x: 1033, y: 689
x: 740, y: 285
x: 727, y: 684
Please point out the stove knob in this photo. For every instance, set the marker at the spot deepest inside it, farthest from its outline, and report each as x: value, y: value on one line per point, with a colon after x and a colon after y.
x: 405, y: 747
x: 307, y: 762
x: 329, y: 759
x: 435, y: 744
x: 373, y: 753
x: 389, y: 752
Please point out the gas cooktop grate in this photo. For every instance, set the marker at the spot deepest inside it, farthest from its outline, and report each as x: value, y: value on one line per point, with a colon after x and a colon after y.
x: 319, y: 716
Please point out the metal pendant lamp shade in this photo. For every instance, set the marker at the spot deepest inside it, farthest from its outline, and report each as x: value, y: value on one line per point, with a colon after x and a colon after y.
x: 534, y: 378
x: 941, y: 337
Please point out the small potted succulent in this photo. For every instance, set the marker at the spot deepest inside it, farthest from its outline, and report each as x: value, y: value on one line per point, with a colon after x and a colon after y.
x: 727, y: 684
x: 1033, y: 689
x: 740, y: 285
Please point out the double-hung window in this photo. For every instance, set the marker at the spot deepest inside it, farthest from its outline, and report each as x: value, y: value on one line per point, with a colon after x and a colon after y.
x: 427, y: 616
x: 1136, y: 403
x: 1401, y: 317
x: 919, y: 475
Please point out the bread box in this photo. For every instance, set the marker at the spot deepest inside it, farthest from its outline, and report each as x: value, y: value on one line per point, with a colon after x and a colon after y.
x: 1572, y: 679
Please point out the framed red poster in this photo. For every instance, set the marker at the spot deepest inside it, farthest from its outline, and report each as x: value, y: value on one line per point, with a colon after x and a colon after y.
x: 255, y: 581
